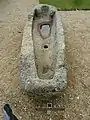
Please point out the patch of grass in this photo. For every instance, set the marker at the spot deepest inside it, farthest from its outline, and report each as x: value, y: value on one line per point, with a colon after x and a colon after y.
x: 68, y: 4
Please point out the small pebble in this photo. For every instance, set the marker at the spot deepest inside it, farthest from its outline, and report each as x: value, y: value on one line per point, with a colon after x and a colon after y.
x: 15, y: 105
x: 25, y: 109
x: 48, y: 112
x: 20, y: 117
x: 78, y: 97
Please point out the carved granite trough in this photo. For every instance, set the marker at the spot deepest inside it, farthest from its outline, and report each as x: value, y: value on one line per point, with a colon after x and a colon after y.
x: 42, y: 60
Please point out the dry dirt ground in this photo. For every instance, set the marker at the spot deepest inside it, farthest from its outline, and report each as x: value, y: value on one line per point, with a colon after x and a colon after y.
x: 13, y: 15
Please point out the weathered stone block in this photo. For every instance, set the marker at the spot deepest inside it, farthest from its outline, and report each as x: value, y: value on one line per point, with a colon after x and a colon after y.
x: 42, y: 60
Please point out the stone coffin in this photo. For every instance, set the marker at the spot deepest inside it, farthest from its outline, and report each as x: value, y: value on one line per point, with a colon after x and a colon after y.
x: 42, y: 60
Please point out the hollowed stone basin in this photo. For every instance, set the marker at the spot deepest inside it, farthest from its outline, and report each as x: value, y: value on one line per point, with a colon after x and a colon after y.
x: 42, y: 58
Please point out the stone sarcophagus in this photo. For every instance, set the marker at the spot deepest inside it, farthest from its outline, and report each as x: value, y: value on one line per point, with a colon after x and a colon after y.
x: 42, y: 60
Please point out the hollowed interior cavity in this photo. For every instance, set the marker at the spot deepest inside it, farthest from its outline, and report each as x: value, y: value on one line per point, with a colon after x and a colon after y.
x: 44, y: 42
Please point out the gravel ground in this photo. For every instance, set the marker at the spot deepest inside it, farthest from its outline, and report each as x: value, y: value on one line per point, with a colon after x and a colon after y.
x: 77, y: 37
x: 76, y: 98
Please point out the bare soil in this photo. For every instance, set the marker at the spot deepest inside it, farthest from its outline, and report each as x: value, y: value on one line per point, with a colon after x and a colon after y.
x: 76, y: 98
x: 77, y: 38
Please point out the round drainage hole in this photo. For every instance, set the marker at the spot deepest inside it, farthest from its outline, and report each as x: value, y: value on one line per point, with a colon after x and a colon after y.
x: 45, y: 46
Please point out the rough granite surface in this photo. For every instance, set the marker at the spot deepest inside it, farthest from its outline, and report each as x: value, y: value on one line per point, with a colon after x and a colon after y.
x: 28, y: 74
